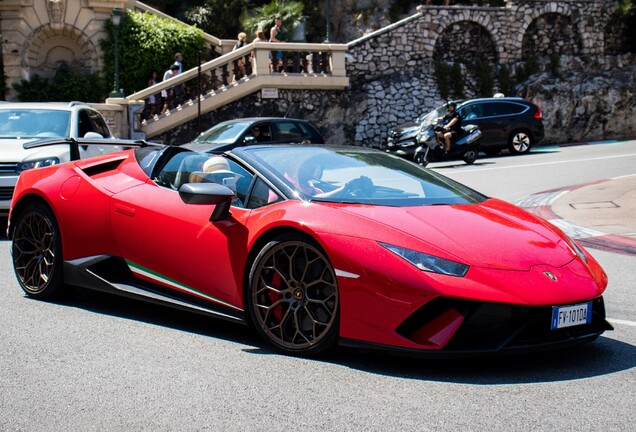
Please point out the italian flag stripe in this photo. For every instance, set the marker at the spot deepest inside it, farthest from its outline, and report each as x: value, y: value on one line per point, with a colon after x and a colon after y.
x: 156, y: 277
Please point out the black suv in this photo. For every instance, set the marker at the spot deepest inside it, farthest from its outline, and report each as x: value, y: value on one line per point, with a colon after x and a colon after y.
x: 504, y: 122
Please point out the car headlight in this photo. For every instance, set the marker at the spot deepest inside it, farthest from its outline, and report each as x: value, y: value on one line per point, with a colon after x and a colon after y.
x: 37, y: 163
x: 577, y: 249
x: 429, y: 263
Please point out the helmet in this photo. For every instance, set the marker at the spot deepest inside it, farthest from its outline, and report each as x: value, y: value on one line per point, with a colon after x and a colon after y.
x: 451, y: 104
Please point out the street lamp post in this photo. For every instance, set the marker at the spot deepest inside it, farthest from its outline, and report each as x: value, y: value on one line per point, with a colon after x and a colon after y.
x: 116, y: 17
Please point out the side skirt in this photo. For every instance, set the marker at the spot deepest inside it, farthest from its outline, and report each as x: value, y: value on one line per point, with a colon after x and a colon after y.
x: 112, y: 275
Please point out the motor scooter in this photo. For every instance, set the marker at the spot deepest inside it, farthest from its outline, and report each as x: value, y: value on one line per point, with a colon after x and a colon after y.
x: 465, y: 146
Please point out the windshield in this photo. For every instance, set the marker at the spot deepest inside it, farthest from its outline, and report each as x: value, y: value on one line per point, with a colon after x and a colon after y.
x: 361, y: 176
x: 223, y: 133
x: 34, y: 123
x: 429, y: 118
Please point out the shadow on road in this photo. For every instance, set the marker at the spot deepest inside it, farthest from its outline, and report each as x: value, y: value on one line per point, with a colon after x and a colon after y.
x: 602, y: 357
x: 605, y: 356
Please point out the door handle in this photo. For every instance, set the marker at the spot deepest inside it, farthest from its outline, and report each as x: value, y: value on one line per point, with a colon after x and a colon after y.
x: 125, y: 210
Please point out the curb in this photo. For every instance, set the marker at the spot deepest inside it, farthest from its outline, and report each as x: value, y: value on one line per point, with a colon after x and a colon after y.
x: 540, y: 204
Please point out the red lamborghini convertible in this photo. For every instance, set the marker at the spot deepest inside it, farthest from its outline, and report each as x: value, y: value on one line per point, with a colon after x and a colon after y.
x: 313, y: 246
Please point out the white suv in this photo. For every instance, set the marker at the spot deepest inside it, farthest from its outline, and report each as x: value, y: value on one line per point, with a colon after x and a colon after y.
x: 24, y: 122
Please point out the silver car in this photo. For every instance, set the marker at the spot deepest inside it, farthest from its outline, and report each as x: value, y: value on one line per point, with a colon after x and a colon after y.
x: 25, y: 122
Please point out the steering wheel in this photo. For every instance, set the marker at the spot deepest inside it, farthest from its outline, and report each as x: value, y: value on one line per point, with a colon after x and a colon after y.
x: 361, y: 187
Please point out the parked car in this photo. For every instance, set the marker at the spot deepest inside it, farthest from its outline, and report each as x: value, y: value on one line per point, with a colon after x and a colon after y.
x: 505, y: 122
x: 21, y: 123
x: 312, y: 245
x: 246, y: 131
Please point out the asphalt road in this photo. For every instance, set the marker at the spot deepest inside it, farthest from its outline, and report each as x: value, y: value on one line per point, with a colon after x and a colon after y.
x: 103, y: 363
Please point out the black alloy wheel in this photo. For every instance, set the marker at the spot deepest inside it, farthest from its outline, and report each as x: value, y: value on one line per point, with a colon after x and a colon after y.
x: 37, y: 253
x: 293, y: 296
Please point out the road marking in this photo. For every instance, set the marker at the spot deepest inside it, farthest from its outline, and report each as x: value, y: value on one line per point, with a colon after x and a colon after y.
x: 622, y: 177
x: 477, y: 169
x: 623, y: 322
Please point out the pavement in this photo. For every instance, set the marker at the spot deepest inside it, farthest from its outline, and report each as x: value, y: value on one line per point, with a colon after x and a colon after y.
x: 600, y: 215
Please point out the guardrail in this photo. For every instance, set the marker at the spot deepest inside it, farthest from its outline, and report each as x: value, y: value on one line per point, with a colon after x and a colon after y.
x: 236, y: 74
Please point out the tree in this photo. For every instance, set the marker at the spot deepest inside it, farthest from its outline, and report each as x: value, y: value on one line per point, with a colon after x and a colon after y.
x: 262, y: 17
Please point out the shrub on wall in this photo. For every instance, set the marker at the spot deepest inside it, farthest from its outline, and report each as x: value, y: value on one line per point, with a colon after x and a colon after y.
x: 457, y: 81
x: 485, y: 82
x: 442, y: 72
x: 65, y: 87
x: 148, y: 43
x: 505, y: 83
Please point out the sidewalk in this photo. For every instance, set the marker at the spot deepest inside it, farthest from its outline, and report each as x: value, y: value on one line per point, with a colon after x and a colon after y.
x: 599, y: 215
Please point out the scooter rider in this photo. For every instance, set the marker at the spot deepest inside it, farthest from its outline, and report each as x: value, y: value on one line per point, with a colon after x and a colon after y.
x: 452, y: 128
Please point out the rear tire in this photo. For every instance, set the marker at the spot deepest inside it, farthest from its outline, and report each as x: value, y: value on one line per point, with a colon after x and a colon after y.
x: 292, y: 296
x: 37, y: 253
x: 520, y: 142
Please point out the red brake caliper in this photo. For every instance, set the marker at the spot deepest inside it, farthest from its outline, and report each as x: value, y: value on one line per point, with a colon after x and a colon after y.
x: 274, y: 296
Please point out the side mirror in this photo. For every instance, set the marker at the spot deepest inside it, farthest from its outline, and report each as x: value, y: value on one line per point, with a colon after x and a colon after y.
x: 249, y: 139
x: 93, y: 135
x: 209, y: 193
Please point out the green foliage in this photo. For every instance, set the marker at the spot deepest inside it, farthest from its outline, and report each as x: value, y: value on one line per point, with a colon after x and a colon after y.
x: 627, y: 10
x: 401, y: 7
x: 529, y: 68
x: 457, y: 81
x: 217, y: 17
x: 262, y: 17
x: 555, y: 65
x: 505, y: 82
x: 442, y: 73
x: 485, y: 81
x: 64, y: 87
x: 148, y: 43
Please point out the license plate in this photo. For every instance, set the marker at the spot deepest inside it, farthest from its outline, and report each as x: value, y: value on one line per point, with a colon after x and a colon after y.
x: 569, y: 316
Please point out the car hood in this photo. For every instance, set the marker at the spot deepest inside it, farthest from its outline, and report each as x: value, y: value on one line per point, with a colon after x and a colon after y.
x: 493, y: 234
x: 11, y: 150
x: 206, y: 146
x: 405, y: 129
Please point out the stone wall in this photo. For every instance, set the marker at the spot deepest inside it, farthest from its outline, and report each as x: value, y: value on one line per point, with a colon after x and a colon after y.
x: 590, y: 96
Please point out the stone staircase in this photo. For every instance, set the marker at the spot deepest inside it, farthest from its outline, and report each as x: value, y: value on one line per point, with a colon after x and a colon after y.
x: 219, y: 81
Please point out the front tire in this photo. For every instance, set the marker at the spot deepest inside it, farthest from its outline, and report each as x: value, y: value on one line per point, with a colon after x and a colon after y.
x: 422, y: 158
x: 520, y: 142
x: 470, y: 156
x: 292, y: 296
x: 37, y: 253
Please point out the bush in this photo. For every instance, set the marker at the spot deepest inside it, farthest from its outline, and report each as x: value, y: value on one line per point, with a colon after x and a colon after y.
x: 458, y: 81
x: 442, y: 72
x: 505, y: 83
x: 148, y: 43
x: 65, y: 87
x: 555, y: 65
x: 485, y: 82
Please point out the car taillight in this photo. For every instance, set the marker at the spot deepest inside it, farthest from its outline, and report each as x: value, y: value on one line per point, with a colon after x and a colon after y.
x: 537, y: 113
